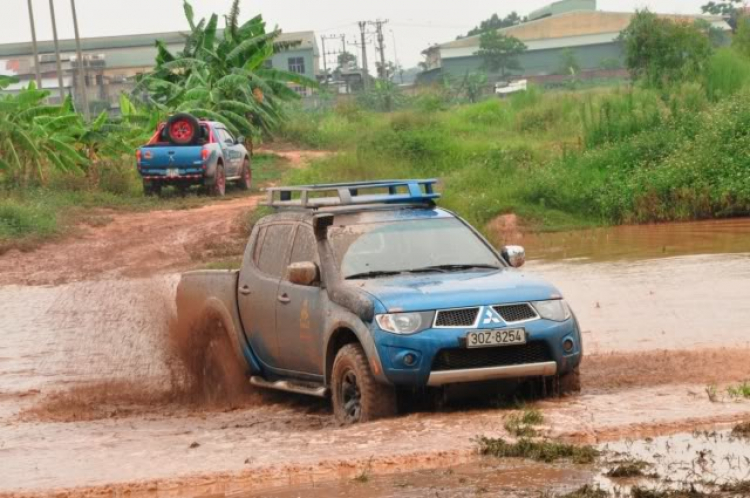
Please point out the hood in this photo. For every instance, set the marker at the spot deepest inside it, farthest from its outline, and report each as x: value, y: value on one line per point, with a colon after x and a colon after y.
x: 456, y: 290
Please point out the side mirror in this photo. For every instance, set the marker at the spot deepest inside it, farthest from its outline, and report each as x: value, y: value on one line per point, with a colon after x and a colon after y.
x: 303, y: 273
x: 239, y: 140
x: 514, y: 255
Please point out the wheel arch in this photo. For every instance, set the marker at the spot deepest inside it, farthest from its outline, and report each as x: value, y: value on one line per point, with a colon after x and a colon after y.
x: 345, y: 332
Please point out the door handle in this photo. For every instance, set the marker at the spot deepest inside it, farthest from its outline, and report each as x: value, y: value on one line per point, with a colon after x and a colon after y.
x: 284, y: 298
x: 245, y: 289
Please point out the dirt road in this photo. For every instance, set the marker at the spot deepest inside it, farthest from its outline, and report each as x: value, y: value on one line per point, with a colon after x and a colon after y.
x: 88, y: 403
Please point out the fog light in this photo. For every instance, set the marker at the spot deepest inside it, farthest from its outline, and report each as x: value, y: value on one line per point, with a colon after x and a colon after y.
x: 568, y: 345
x: 409, y: 360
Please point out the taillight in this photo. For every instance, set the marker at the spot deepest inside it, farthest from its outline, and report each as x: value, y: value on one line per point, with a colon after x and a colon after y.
x: 204, y: 154
x: 138, y: 156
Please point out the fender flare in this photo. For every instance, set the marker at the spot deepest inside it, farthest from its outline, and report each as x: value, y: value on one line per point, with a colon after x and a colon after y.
x: 365, y: 339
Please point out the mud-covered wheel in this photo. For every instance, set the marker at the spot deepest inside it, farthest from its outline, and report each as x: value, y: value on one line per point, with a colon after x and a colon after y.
x: 151, y: 189
x: 219, y: 187
x: 183, y: 129
x: 246, y: 176
x: 222, y: 379
x: 357, y: 396
x: 570, y: 383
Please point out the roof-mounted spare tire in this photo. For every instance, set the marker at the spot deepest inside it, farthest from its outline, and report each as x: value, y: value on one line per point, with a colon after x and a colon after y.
x: 183, y: 129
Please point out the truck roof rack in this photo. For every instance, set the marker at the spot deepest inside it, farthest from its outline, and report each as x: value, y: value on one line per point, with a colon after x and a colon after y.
x: 377, y: 192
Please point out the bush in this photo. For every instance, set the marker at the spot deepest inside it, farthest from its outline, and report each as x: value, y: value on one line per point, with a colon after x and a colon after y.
x: 726, y: 74
x: 23, y: 219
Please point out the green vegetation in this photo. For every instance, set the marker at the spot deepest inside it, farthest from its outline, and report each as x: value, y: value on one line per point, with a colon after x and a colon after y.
x: 740, y: 390
x: 522, y: 424
x: 542, y: 451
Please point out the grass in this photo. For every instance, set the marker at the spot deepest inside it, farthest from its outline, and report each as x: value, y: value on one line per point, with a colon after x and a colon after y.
x: 542, y: 451
x: 39, y: 214
x: 522, y: 424
x: 629, y: 469
x: 740, y: 390
x: 558, y: 159
x: 587, y: 491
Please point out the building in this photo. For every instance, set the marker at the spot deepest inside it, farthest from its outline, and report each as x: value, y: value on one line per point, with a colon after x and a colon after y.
x: 112, y: 63
x: 567, y: 25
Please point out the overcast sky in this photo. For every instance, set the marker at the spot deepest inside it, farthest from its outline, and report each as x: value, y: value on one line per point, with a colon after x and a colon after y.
x: 414, y: 24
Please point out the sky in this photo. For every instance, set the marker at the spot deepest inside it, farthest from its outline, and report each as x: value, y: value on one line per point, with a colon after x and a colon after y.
x: 413, y: 24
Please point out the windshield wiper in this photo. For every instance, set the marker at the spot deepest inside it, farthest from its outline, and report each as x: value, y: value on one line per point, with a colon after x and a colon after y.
x: 373, y: 274
x: 448, y: 268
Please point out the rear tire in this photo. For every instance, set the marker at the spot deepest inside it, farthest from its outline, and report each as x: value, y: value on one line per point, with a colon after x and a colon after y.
x: 222, y: 379
x: 219, y: 187
x: 246, y: 179
x: 151, y: 189
x: 357, y: 396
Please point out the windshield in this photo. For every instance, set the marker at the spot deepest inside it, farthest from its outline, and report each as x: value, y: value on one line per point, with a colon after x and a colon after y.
x: 402, y: 246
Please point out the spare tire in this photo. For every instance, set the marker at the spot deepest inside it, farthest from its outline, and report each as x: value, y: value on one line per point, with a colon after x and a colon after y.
x: 183, y: 129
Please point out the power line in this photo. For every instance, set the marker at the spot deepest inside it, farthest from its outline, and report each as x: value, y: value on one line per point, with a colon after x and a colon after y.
x: 382, y: 72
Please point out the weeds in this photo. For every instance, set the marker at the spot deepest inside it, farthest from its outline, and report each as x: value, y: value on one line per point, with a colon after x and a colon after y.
x: 542, y: 451
x: 587, y: 491
x: 629, y: 469
x: 712, y: 393
x: 740, y: 390
x: 522, y: 424
x: 364, y: 475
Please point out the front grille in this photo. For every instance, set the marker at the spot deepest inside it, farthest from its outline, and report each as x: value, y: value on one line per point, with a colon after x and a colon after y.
x: 515, y: 312
x: 460, y: 358
x: 464, y: 317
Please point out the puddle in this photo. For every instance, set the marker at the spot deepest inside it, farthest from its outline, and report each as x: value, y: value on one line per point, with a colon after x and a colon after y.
x: 638, y: 242
x: 700, y: 460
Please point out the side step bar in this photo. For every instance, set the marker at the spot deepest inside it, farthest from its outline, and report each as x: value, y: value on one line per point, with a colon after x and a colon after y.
x: 285, y: 385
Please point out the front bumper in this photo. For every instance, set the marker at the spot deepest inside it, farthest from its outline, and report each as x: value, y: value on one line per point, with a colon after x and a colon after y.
x: 425, y: 369
x: 442, y: 377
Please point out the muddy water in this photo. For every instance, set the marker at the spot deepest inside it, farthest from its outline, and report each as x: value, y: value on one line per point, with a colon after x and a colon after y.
x: 110, y: 333
x: 639, y: 242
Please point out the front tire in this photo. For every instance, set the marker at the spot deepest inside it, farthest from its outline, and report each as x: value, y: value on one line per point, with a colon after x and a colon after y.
x: 357, y: 396
x: 570, y: 383
x: 219, y: 188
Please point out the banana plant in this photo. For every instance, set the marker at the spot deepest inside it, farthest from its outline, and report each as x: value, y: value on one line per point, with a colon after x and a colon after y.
x: 223, y: 76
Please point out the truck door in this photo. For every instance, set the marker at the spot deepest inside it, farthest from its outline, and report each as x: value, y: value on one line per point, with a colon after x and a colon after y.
x: 231, y: 154
x: 299, y: 313
x: 262, y: 268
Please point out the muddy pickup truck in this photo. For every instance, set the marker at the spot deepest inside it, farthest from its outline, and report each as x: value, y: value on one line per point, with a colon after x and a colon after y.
x: 185, y: 151
x: 366, y: 291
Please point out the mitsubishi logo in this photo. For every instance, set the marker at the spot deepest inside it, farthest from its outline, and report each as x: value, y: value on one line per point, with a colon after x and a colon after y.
x: 171, y: 159
x: 490, y: 317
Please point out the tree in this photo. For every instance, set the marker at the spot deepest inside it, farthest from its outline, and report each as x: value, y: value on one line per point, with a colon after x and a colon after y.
x: 224, y: 79
x: 741, y: 38
x: 569, y: 63
x: 494, y: 23
x: 344, y: 59
x: 500, y: 52
x: 726, y: 8
x: 660, y: 51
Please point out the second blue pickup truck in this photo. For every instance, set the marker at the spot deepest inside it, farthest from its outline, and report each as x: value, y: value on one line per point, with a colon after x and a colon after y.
x: 185, y: 151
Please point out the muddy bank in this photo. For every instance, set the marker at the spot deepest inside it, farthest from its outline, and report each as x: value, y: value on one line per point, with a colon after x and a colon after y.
x: 134, y: 245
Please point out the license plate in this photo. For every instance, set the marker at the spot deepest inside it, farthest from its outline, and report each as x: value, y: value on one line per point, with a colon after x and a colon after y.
x: 173, y: 173
x: 492, y: 338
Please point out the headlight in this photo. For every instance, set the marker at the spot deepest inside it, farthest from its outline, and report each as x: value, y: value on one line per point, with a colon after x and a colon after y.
x: 556, y: 310
x: 405, y: 323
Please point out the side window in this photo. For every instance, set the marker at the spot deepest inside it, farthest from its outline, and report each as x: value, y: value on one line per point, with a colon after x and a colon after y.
x: 272, y: 259
x: 304, y: 248
x: 228, y: 138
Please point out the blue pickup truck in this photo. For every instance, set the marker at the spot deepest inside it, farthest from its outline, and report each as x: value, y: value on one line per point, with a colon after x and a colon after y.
x: 185, y: 152
x: 362, y: 291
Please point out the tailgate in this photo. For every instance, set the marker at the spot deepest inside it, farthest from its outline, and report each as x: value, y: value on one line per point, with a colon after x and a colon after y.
x: 171, y: 156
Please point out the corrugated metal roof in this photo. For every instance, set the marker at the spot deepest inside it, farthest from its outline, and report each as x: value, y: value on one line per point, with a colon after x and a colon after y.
x: 532, y: 45
x: 574, y: 24
x: 24, y: 49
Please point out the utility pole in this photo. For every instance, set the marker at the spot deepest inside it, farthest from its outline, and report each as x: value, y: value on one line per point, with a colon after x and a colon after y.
x: 326, y: 53
x: 57, y: 50
x: 325, y: 59
x: 81, y: 65
x: 381, y: 46
x: 365, y: 71
x: 395, y: 58
x: 35, y: 47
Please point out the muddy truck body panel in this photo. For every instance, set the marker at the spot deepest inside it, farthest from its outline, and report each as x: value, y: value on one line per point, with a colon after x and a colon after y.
x: 358, y: 294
